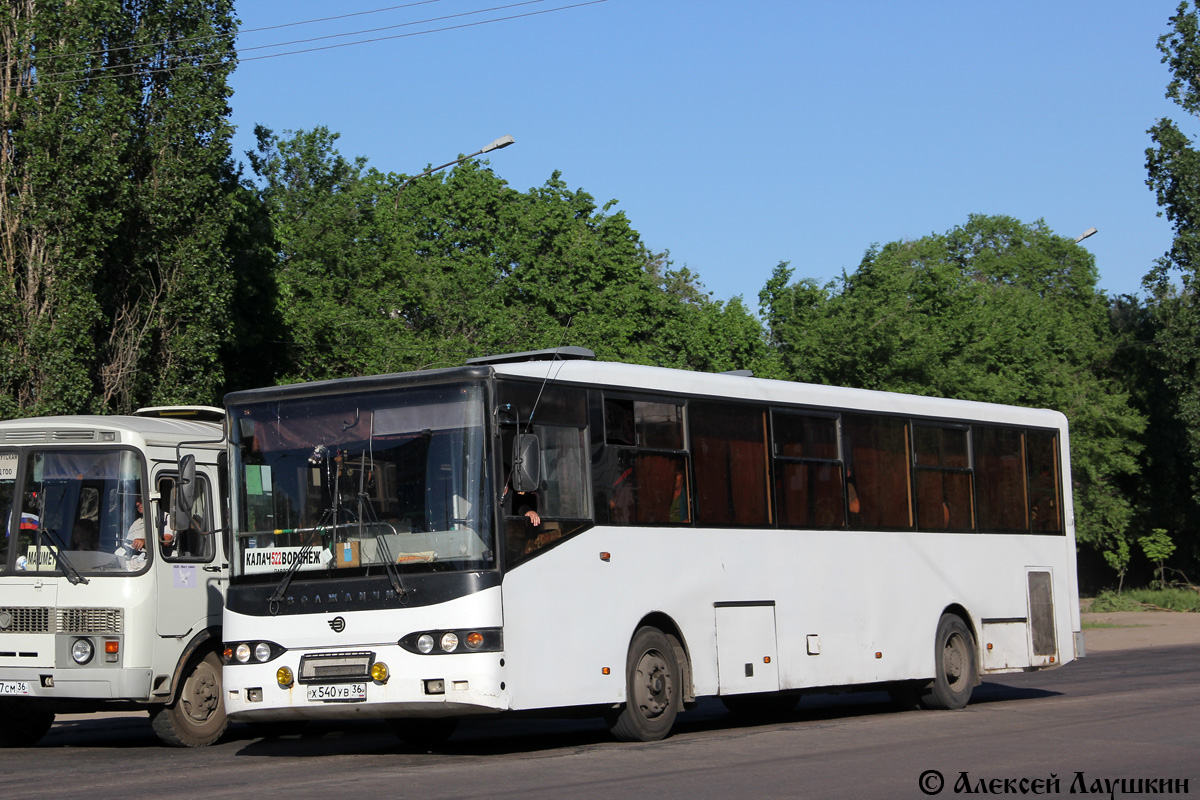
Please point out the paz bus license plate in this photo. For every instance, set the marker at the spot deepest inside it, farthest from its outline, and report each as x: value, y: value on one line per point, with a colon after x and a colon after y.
x: 13, y: 687
x: 341, y: 691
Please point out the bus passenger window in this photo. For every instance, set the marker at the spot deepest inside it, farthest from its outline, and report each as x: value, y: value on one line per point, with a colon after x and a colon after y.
x: 1045, y: 513
x: 877, y: 466
x: 808, y: 472
x: 729, y: 454
x: 942, y: 470
x: 1000, y: 479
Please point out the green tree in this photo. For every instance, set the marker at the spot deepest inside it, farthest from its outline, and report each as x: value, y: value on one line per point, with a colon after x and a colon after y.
x: 1158, y: 547
x: 1173, y: 173
x: 374, y: 278
x: 994, y: 310
x: 114, y: 154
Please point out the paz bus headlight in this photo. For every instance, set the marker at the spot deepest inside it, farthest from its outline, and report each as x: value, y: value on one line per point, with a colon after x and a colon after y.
x: 82, y: 651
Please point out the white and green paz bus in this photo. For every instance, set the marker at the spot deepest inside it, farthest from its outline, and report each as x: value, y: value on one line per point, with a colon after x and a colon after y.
x: 108, y: 601
x: 542, y: 531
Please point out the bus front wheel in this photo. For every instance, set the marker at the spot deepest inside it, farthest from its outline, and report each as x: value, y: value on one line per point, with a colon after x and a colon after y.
x: 652, y: 689
x: 23, y: 724
x: 197, y: 717
x: 954, y: 661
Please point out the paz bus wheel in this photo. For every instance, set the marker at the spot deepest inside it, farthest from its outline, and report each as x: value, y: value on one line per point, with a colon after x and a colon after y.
x: 23, y: 724
x: 652, y: 694
x: 197, y: 717
x: 954, y: 660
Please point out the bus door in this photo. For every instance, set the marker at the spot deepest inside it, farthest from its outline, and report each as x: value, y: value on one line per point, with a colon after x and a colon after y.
x: 190, y: 575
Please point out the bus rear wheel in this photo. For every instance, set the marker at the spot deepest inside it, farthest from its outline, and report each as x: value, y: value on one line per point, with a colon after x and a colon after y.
x: 652, y: 689
x: 954, y: 661
x: 197, y: 717
x: 23, y: 724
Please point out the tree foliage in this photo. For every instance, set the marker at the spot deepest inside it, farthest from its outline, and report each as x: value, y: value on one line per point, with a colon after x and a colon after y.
x: 113, y: 215
x: 1173, y: 166
x: 994, y: 310
x: 374, y: 276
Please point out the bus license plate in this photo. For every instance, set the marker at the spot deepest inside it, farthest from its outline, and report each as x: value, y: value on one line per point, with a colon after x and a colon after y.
x: 8, y: 688
x: 341, y: 691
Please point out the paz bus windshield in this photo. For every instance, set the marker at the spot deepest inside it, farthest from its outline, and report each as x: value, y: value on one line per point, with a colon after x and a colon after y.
x: 79, y: 512
x: 345, y: 485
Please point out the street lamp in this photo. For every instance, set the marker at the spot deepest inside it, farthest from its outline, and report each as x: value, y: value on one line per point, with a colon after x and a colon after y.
x: 1085, y: 234
x: 502, y: 142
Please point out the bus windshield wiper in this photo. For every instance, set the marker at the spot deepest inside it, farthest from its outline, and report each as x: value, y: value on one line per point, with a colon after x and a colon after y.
x: 389, y: 562
x: 293, y: 568
x: 64, y: 564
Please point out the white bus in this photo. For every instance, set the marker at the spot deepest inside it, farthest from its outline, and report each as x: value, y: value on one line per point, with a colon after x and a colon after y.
x: 107, y: 601
x: 542, y: 531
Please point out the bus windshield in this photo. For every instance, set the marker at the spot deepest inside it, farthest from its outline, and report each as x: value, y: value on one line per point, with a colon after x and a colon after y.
x: 363, y: 484
x: 80, y: 512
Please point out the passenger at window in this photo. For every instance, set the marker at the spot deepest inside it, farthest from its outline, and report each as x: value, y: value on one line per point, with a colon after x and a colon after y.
x: 135, y: 537
x: 679, y: 511
x: 523, y: 504
x: 621, y: 501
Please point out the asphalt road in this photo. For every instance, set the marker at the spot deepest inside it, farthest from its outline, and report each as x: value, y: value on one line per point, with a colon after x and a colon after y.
x: 1114, y: 715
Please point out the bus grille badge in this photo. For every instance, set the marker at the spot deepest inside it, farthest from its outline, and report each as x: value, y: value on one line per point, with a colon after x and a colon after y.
x: 337, y: 624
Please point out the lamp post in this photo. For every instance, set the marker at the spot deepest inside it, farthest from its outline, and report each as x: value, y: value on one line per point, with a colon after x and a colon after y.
x: 1085, y: 234
x: 502, y: 142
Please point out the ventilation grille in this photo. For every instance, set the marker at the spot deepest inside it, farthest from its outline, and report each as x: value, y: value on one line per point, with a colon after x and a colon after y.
x: 1041, y: 614
x: 69, y: 435
x: 102, y: 621
x: 74, y: 436
x: 24, y: 620
x: 106, y: 621
x: 22, y: 436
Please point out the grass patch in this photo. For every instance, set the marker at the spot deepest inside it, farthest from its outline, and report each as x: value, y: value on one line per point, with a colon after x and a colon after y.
x: 1173, y: 598
x: 1092, y: 624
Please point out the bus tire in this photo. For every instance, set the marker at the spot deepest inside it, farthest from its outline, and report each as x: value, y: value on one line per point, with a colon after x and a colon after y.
x: 652, y: 689
x: 23, y: 724
x: 423, y: 731
x: 955, y: 665
x: 197, y: 716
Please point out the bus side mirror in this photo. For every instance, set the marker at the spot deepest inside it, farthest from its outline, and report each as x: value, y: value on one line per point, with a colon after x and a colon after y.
x: 527, y: 463
x: 185, y: 494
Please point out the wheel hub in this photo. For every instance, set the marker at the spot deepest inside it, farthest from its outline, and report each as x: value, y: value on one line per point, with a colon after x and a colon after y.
x: 653, y: 687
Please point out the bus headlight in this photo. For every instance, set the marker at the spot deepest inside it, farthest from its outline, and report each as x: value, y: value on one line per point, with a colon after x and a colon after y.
x: 82, y: 651
x: 379, y: 672
x: 251, y: 652
x: 443, y: 642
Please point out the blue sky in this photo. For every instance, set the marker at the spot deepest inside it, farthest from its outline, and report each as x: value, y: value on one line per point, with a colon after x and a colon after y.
x: 740, y: 134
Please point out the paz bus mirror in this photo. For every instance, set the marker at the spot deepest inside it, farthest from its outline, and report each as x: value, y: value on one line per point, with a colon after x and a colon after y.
x: 185, y: 494
x: 527, y: 463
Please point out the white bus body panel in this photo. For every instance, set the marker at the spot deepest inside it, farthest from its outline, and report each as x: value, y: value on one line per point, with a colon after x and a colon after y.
x: 568, y: 614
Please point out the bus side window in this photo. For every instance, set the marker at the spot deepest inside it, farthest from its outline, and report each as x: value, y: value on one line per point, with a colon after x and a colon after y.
x: 197, y: 542
x: 877, y: 469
